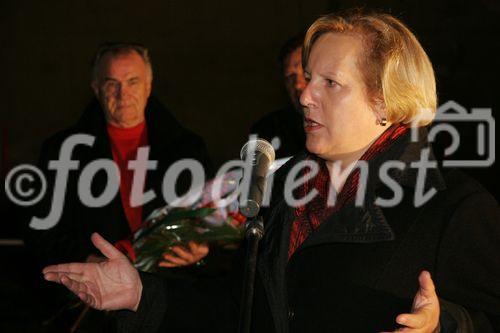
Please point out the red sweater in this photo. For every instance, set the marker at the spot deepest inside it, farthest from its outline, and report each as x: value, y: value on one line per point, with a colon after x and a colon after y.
x: 124, y: 145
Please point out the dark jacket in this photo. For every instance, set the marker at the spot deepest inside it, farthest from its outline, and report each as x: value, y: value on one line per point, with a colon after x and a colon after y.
x: 359, y: 269
x: 69, y: 240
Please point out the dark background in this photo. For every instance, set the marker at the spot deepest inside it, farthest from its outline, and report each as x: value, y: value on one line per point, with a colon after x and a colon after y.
x: 215, y: 68
x: 215, y: 63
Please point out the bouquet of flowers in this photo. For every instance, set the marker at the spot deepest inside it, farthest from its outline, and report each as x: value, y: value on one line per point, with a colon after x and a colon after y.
x: 211, y: 215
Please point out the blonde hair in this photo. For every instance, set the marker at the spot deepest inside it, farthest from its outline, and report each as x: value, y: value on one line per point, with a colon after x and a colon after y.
x: 395, y: 66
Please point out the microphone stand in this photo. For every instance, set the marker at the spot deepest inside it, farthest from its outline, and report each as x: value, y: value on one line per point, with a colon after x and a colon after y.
x: 254, y: 233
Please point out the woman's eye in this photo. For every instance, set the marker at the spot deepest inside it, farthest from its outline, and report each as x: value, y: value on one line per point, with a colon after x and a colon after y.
x: 330, y: 83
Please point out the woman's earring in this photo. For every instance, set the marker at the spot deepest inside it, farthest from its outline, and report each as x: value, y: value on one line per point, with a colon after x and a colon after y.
x: 383, y: 121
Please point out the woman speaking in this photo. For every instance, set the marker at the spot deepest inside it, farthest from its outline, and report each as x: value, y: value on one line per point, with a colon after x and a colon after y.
x: 353, y: 246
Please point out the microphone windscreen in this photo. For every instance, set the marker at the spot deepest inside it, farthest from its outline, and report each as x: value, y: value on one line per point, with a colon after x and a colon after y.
x: 258, y: 145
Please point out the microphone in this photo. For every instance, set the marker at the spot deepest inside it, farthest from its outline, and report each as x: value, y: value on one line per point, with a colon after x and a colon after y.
x: 261, y: 154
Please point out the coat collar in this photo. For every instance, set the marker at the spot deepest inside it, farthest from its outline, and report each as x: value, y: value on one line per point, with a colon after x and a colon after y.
x: 409, y: 151
x: 163, y: 129
x: 365, y: 224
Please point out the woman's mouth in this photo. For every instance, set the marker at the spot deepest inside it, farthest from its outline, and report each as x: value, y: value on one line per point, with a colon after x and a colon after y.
x: 311, y: 125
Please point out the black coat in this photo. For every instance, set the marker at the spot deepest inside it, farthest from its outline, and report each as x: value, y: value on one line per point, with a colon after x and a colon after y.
x: 359, y: 269
x: 69, y: 240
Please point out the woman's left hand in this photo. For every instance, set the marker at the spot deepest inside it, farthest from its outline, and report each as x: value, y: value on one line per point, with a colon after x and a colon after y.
x: 424, y: 316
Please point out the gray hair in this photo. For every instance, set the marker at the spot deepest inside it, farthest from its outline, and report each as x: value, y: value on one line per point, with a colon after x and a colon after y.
x: 117, y: 49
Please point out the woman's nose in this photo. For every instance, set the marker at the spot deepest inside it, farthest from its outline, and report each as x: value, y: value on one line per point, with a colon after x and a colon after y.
x: 306, y: 98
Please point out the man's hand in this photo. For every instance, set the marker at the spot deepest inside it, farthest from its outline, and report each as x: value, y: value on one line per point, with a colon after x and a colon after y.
x: 424, y: 316
x: 113, y: 284
x: 183, y: 256
x: 94, y: 258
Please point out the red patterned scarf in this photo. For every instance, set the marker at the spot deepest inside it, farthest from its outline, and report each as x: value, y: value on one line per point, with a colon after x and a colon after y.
x: 309, y: 217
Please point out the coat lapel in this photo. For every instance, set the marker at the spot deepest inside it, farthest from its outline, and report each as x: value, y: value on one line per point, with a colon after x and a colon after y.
x: 93, y: 122
x: 352, y: 225
x: 272, y: 262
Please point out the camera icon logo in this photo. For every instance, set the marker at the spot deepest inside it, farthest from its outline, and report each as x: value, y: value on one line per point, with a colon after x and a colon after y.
x: 451, y: 113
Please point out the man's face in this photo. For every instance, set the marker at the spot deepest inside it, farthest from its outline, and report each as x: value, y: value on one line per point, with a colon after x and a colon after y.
x: 123, y: 86
x: 294, y: 77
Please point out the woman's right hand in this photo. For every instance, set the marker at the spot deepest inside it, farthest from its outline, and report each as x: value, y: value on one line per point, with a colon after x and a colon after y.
x: 424, y: 316
x: 113, y: 284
